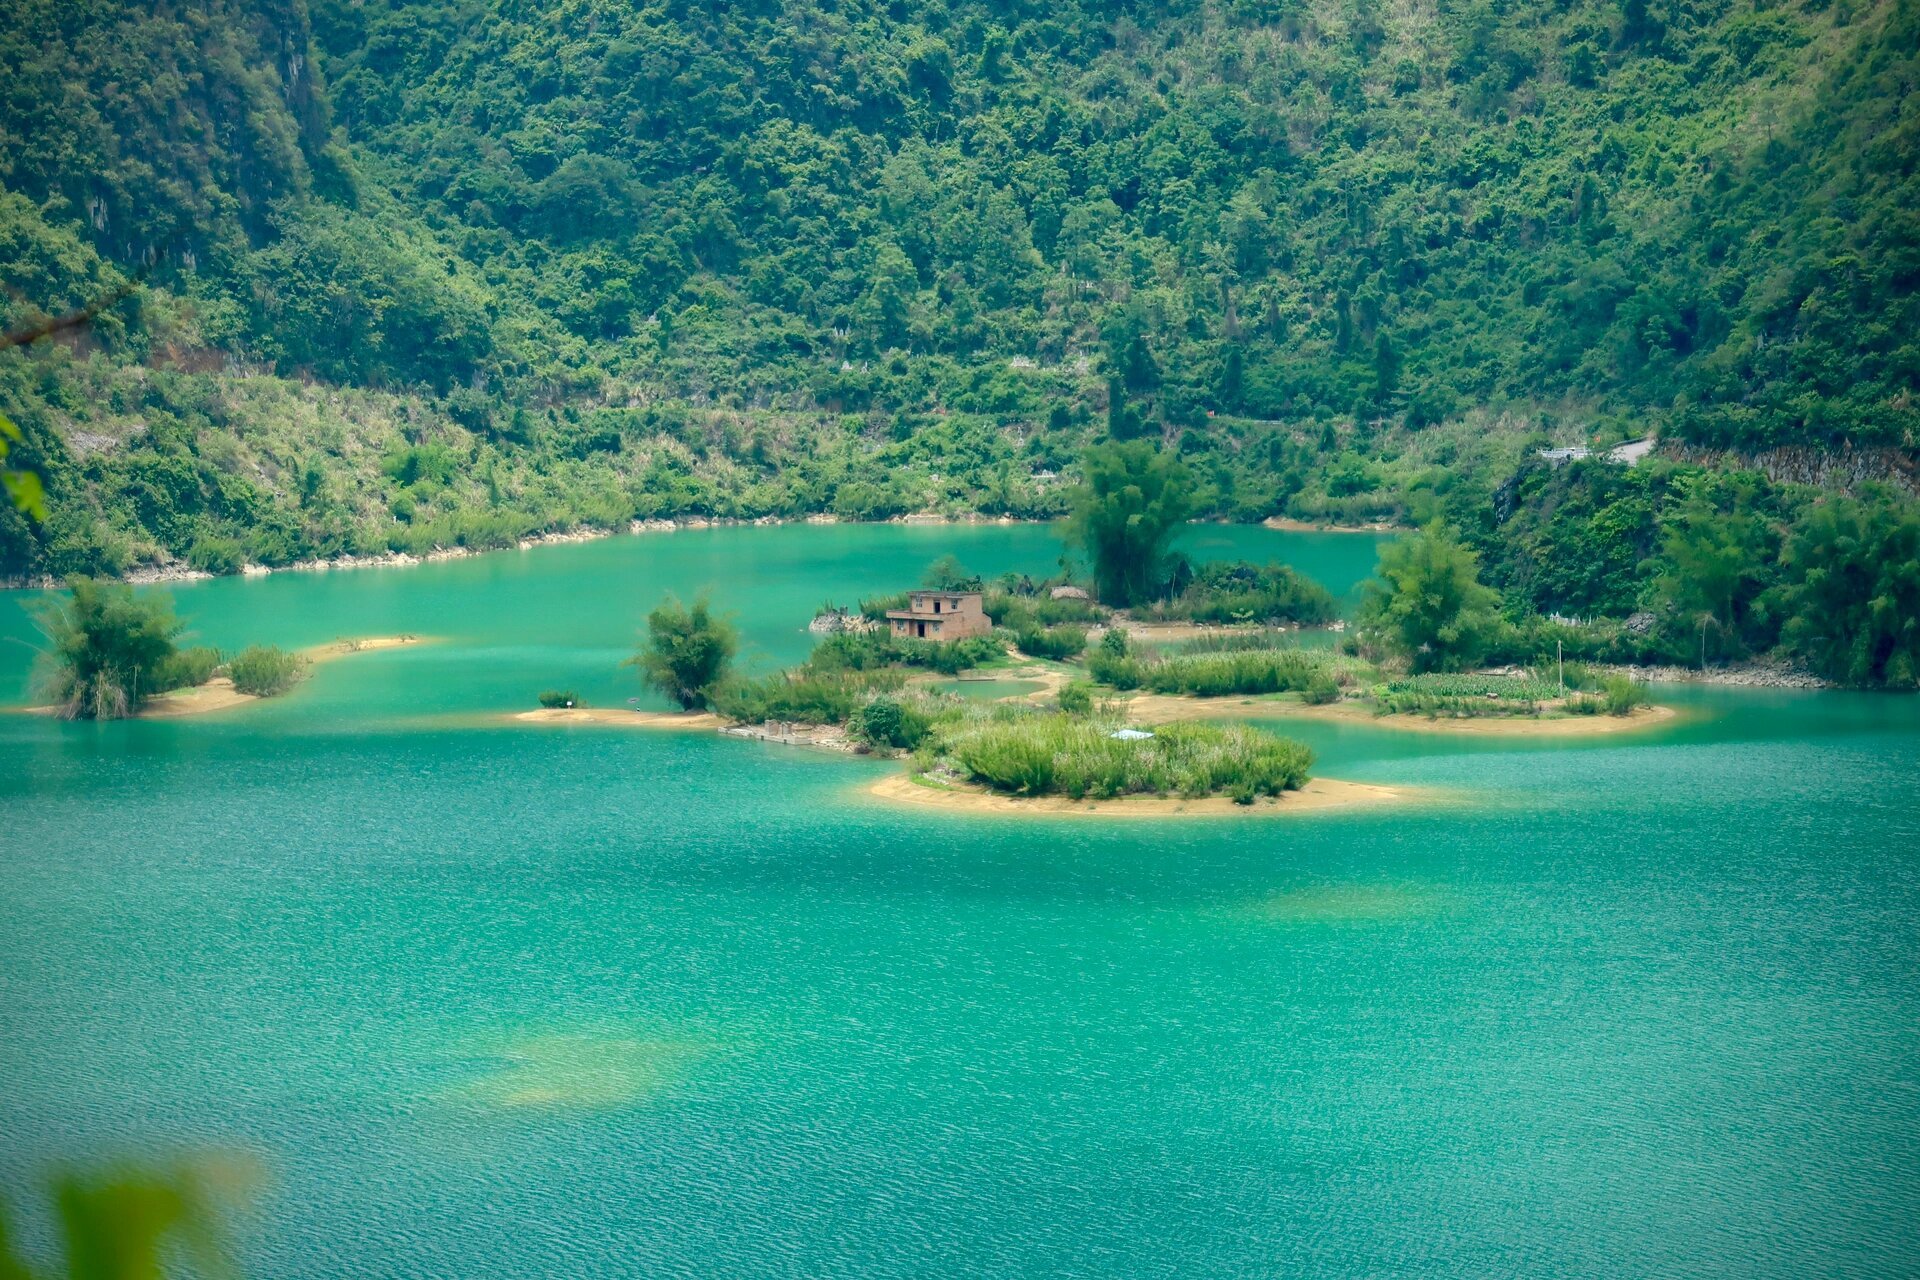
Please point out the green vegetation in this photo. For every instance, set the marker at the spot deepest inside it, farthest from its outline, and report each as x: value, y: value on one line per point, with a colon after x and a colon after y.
x: 402, y: 290
x: 1229, y: 592
x: 892, y: 724
x: 265, y: 672
x: 1850, y: 591
x: 687, y: 652
x: 1129, y: 508
x: 135, y: 1223
x: 1427, y: 606
x: 556, y: 699
x: 805, y: 695
x: 1057, y: 644
x: 1038, y: 753
x: 1234, y: 663
x: 188, y: 667
x: 870, y: 650
x: 111, y: 650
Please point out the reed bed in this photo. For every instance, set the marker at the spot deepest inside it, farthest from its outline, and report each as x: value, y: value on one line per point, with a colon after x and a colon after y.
x: 1048, y: 753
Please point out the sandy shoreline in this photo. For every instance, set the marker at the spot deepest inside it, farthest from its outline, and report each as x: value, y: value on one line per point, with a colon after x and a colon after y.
x: 1319, y: 795
x: 1154, y: 708
x: 218, y: 694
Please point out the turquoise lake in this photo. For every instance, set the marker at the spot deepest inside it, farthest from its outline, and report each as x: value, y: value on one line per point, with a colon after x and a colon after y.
x: 493, y: 1000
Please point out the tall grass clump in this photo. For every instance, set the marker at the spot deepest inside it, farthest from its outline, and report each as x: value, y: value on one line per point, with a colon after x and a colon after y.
x: 1053, y: 754
x: 1218, y: 675
x: 188, y: 667
x: 803, y: 695
x: 265, y: 671
x: 1466, y: 695
x: 1622, y: 694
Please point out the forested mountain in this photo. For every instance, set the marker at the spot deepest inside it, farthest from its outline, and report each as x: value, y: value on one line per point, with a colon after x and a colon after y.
x: 519, y: 265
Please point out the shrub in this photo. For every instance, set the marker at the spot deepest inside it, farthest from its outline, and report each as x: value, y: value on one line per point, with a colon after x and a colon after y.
x: 1321, y: 689
x: 558, y: 698
x: 265, y: 671
x: 871, y: 650
x: 211, y: 553
x: 187, y: 668
x: 1115, y: 670
x: 1015, y: 611
x: 890, y: 723
x: 1056, y: 643
x: 1623, y: 694
x: 1223, y: 674
x: 953, y: 656
x: 1076, y: 699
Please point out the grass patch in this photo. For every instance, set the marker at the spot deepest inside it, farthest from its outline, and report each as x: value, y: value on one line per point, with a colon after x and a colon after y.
x: 1038, y: 753
x: 265, y: 671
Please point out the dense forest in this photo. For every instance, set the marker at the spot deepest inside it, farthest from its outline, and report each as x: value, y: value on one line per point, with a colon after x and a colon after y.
x: 450, y: 272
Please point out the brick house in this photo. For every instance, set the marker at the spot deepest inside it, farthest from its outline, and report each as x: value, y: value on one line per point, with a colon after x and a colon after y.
x: 941, y: 615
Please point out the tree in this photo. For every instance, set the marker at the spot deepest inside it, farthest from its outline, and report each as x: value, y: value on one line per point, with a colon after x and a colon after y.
x: 110, y: 650
x: 687, y: 652
x: 1126, y: 512
x: 948, y: 574
x: 1426, y: 603
x: 1714, y: 566
x: 1852, y: 599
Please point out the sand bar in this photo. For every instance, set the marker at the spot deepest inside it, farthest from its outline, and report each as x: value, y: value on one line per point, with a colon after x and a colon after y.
x: 1318, y: 795
x: 218, y: 694
x: 621, y: 717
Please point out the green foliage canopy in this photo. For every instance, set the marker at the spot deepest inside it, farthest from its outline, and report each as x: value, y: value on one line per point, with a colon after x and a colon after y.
x: 109, y: 649
x: 687, y: 652
x: 1426, y: 605
x: 1131, y: 504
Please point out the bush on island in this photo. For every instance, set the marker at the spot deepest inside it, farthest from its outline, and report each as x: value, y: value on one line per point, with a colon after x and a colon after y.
x: 687, y: 652
x: 265, y: 671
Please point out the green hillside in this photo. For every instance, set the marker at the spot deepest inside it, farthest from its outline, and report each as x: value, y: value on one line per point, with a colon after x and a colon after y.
x: 454, y: 271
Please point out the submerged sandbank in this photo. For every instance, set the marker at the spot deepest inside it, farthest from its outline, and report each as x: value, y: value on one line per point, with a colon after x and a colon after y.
x: 1155, y: 708
x: 624, y: 717
x: 1317, y: 795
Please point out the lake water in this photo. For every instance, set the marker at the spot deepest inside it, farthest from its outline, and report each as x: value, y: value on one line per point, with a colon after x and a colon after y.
x: 518, y: 1002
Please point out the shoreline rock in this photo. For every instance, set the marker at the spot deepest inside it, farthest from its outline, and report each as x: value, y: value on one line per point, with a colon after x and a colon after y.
x: 1746, y: 675
x: 159, y: 574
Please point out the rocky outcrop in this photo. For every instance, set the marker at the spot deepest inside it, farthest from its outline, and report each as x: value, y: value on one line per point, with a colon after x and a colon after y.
x: 1823, y: 468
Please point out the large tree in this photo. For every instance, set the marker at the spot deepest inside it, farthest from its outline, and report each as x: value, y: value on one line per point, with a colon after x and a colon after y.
x: 110, y: 650
x: 1715, y: 564
x: 1128, y: 509
x: 687, y: 652
x: 1426, y: 603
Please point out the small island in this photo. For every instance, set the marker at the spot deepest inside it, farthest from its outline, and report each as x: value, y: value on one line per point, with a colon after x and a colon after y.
x: 114, y: 654
x: 1109, y: 686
